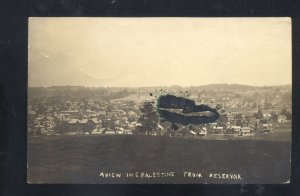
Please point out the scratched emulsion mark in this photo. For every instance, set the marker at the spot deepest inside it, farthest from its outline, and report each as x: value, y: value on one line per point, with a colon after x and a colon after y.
x: 184, y: 111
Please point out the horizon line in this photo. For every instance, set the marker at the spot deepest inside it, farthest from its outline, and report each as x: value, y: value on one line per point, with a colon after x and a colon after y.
x: 183, y: 86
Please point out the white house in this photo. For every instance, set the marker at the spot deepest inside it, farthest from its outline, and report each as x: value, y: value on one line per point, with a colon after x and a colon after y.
x: 246, y: 131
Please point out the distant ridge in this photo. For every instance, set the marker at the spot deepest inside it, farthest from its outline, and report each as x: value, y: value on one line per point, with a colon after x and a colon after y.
x: 240, y: 86
x: 205, y: 86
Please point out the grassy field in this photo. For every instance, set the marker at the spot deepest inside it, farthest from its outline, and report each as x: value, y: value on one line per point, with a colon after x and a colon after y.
x: 80, y: 159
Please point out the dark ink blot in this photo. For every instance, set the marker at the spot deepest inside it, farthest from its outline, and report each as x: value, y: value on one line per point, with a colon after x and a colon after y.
x: 184, y: 111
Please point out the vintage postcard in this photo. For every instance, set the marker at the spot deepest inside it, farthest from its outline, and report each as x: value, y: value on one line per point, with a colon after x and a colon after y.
x: 159, y: 100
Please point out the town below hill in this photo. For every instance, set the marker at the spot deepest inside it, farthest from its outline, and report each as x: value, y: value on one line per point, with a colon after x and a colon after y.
x: 245, y: 111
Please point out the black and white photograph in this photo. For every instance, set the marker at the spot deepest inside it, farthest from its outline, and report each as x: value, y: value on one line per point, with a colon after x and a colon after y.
x: 162, y: 100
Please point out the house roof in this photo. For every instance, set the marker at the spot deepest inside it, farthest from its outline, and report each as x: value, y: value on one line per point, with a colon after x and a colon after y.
x: 69, y: 111
x: 132, y: 113
x: 32, y: 112
x: 267, y: 125
x: 192, y: 132
x: 281, y: 116
x: 96, y: 120
x: 73, y: 121
x: 236, y: 127
x: 83, y: 121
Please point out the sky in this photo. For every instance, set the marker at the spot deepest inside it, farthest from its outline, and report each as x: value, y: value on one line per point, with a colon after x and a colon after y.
x: 138, y: 52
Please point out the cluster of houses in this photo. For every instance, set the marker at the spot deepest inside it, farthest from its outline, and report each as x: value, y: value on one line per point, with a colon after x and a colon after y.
x: 232, y: 122
x: 41, y: 124
x: 241, y: 130
x: 122, y: 117
x: 213, y: 129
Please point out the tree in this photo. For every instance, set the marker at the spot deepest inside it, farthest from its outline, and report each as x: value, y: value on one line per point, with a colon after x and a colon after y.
x: 148, y: 119
x: 41, y: 108
x: 259, y: 115
x: 286, y: 113
x: 254, y: 105
x: 62, y: 127
x: 239, y: 116
x: 287, y: 98
x: 274, y: 116
x: 174, y: 126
